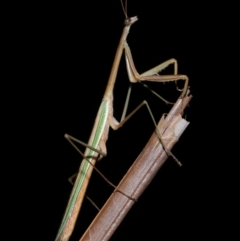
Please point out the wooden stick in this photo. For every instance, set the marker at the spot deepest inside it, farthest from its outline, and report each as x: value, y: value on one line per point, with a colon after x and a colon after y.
x: 138, y: 176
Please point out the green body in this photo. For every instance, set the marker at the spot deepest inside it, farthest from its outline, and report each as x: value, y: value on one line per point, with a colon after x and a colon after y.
x: 96, y: 135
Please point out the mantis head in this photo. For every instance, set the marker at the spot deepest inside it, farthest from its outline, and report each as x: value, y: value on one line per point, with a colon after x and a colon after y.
x: 130, y: 21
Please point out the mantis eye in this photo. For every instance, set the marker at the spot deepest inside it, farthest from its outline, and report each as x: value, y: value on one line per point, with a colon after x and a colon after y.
x: 127, y: 21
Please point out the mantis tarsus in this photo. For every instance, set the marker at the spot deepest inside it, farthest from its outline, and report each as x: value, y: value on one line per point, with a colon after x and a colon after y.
x: 96, y: 147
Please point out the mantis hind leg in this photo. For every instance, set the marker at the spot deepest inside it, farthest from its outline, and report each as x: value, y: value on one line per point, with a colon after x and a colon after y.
x: 70, y: 179
x: 102, y: 146
x: 71, y: 139
x: 101, y: 154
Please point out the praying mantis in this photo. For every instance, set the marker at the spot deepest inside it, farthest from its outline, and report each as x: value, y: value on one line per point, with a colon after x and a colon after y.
x: 96, y: 146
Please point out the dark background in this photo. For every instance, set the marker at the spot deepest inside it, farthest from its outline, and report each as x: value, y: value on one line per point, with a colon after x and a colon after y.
x: 65, y: 57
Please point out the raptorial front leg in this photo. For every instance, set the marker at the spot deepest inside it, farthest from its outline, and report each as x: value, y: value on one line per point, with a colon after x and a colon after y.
x: 153, y: 74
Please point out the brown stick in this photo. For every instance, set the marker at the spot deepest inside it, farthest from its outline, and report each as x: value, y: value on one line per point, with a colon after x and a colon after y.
x: 138, y: 176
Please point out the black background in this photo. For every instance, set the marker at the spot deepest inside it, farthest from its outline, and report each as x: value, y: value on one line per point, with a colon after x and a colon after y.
x: 65, y: 53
